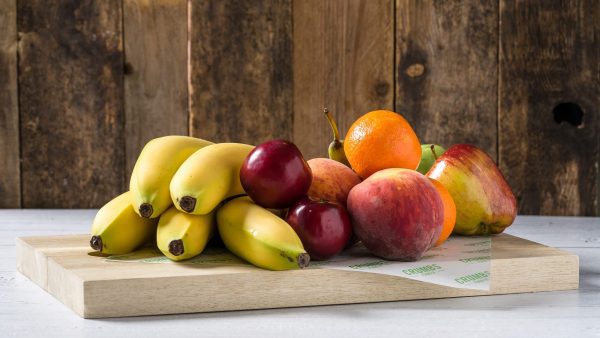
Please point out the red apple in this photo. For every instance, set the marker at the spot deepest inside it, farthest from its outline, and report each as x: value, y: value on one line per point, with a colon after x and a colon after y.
x: 485, y: 204
x: 275, y: 174
x: 323, y: 227
x: 331, y: 181
x: 397, y: 213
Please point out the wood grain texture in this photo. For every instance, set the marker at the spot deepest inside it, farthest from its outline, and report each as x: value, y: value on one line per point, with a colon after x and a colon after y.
x: 240, y: 79
x: 446, y: 74
x: 96, y: 288
x: 343, y: 60
x: 155, y: 38
x: 556, y: 312
x: 10, y: 172
x: 549, y: 55
x: 70, y: 96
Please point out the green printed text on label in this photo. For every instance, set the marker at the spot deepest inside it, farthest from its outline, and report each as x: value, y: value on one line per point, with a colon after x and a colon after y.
x: 423, y: 270
x: 369, y: 265
x: 472, y: 260
x: 486, y: 242
x: 473, y: 278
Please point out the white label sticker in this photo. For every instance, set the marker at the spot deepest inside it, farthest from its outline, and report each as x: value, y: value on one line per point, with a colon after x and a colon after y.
x: 460, y: 262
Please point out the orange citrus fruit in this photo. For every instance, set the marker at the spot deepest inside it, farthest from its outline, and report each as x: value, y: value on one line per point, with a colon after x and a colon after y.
x: 449, y: 212
x: 379, y: 140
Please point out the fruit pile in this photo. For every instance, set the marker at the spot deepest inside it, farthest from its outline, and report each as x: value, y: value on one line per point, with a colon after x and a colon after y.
x: 379, y: 186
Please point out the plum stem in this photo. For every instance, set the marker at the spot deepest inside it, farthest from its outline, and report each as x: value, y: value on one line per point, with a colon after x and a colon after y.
x: 334, y: 128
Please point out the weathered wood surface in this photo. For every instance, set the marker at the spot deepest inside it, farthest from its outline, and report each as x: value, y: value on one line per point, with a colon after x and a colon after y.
x: 241, y: 70
x: 343, y: 60
x: 71, y: 107
x: 95, y: 288
x: 265, y: 69
x: 550, y: 55
x: 10, y: 176
x: 155, y: 38
x: 446, y: 54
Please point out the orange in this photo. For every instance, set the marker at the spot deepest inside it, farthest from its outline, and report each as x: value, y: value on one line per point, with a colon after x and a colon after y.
x: 379, y: 140
x: 449, y: 212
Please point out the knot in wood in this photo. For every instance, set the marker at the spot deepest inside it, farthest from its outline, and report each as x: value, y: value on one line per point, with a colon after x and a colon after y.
x: 415, y: 70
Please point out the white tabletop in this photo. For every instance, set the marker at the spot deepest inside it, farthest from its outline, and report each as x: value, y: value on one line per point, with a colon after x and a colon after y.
x: 28, y: 311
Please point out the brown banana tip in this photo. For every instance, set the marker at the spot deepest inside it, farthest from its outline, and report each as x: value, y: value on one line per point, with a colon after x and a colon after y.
x: 187, y: 203
x: 96, y: 243
x: 303, y: 260
x: 146, y: 210
x: 176, y: 247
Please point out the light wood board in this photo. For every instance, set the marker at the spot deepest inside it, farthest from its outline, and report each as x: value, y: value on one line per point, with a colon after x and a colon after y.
x: 96, y: 288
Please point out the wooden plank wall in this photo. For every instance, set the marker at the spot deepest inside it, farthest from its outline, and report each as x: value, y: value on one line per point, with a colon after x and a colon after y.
x: 156, y: 91
x: 343, y: 60
x: 550, y: 55
x: 10, y: 171
x: 447, y: 70
x: 70, y: 102
x: 95, y: 80
x: 240, y: 70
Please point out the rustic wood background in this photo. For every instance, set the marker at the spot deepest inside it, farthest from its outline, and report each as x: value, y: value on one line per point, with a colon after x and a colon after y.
x: 84, y: 84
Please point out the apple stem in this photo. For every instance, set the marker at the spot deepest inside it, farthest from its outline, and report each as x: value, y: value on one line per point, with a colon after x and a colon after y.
x: 334, y: 128
x: 433, y: 152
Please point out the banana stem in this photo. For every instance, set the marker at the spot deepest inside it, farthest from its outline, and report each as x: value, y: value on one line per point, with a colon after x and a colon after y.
x: 96, y: 243
x: 176, y: 247
x: 334, y: 128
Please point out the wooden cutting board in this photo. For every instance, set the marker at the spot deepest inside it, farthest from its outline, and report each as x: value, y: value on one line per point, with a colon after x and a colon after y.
x: 94, y: 287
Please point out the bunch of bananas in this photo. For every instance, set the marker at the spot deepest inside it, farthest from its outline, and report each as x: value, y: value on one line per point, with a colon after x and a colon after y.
x: 182, y: 191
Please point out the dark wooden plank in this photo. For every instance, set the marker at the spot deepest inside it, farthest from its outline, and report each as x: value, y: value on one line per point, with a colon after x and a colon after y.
x: 343, y: 60
x: 155, y: 38
x: 10, y: 176
x: 241, y: 70
x: 71, y: 102
x: 447, y: 70
x: 549, y: 55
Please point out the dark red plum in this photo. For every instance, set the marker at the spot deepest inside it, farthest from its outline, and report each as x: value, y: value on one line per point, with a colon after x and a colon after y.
x: 324, y: 227
x: 275, y: 174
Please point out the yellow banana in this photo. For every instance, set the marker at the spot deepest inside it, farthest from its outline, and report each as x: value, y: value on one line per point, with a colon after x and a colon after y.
x: 181, y: 236
x: 117, y: 229
x: 154, y: 168
x: 260, y: 237
x: 208, y: 177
